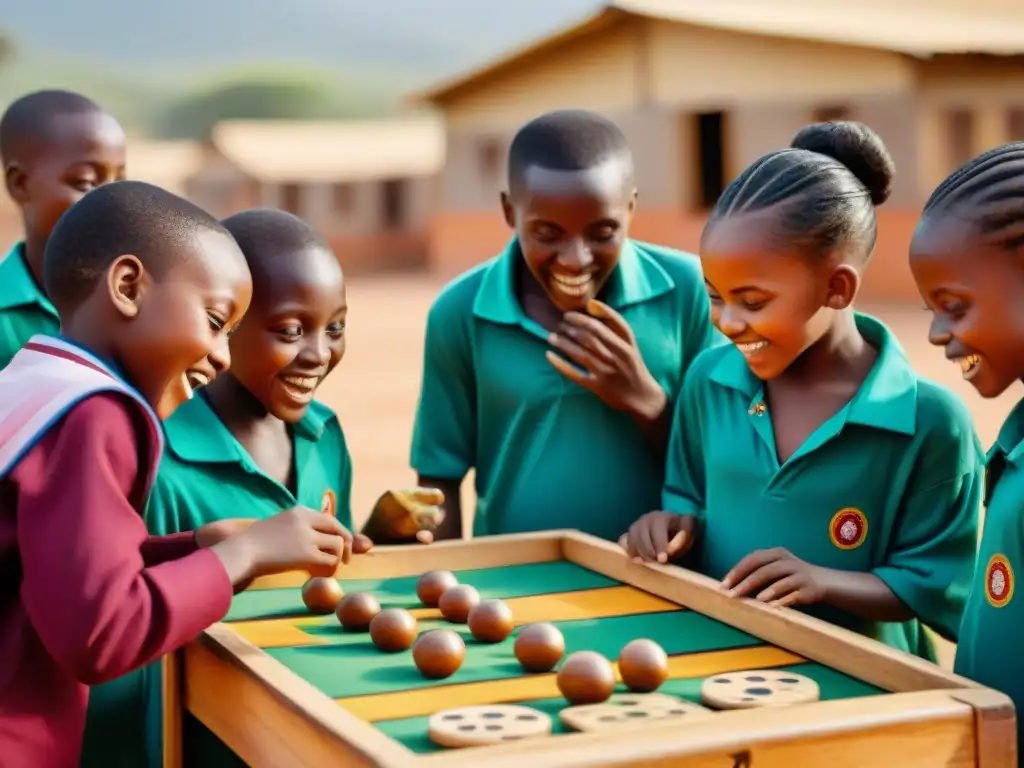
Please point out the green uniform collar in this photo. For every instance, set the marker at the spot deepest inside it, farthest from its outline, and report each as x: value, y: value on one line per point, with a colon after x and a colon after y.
x: 887, y: 399
x: 19, y: 289
x: 637, y: 278
x: 1010, y: 441
x: 195, y: 434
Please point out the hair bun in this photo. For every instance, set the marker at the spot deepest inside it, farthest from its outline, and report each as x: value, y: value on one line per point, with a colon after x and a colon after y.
x: 858, y: 148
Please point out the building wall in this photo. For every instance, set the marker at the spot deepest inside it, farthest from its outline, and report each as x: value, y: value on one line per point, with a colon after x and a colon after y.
x: 597, y: 72
x: 707, y: 68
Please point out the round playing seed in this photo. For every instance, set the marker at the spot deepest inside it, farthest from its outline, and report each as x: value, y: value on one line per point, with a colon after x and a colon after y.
x: 758, y: 688
x: 586, y: 677
x: 643, y: 665
x: 432, y: 585
x: 322, y: 595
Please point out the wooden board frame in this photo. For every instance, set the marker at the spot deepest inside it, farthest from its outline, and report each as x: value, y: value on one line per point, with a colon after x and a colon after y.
x: 272, y: 717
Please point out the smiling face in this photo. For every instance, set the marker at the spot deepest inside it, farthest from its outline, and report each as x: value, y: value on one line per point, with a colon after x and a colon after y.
x: 973, y: 290
x: 83, y: 150
x: 773, y: 304
x: 571, y: 227
x: 294, y: 334
x: 176, y: 337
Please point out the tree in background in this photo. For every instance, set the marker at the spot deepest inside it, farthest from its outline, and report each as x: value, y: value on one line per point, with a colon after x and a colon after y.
x: 294, y: 96
x: 7, y: 49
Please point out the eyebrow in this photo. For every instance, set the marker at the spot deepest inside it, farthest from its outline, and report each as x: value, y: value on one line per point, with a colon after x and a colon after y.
x: 707, y: 284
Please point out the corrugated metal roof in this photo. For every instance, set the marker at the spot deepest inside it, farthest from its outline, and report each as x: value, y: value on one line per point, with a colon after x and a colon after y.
x: 325, y: 152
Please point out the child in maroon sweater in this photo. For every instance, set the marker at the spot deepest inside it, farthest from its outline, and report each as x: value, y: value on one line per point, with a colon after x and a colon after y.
x: 148, y: 288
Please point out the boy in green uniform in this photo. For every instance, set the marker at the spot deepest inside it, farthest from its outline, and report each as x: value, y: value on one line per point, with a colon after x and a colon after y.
x: 55, y: 146
x: 551, y: 369
x: 809, y: 465
x: 252, y: 443
x: 966, y: 260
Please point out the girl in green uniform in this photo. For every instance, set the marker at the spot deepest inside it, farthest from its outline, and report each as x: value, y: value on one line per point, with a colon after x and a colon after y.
x: 966, y: 257
x: 809, y: 466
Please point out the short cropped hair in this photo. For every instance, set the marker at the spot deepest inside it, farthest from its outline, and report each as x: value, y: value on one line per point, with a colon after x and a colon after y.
x: 31, y: 117
x: 267, y: 235
x: 567, y: 140
x: 124, y: 217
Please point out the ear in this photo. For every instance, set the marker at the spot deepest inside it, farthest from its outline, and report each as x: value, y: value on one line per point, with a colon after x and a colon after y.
x: 126, y: 284
x: 632, y: 201
x: 508, y: 210
x: 843, y: 285
x: 15, y: 179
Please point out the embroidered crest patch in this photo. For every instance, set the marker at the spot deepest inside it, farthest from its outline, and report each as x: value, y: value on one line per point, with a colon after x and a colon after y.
x: 848, y: 528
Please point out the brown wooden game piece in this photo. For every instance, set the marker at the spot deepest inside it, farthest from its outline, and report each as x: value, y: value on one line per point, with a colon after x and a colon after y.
x: 322, y: 595
x: 643, y: 665
x: 356, y: 610
x: 480, y: 726
x: 393, y: 629
x: 758, y: 688
x: 539, y: 647
x: 457, y: 602
x: 629, y: 709
x: 432, y: 585
x: 586, y: 677
x: 439, y: 653
x: 491, y: 621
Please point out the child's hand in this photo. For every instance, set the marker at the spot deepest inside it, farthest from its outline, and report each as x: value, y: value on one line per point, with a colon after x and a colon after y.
x: 296, y: 539
x: 221, y: 530
x: 406, y: 515
x: 782, y: 579
x: 659, y: 536
x: 603, y: 345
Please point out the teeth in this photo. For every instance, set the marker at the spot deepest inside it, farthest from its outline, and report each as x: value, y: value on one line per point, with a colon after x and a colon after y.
x: 581, y: 279
x: 750, y: 348
x: 573, y: 285
x: 196, y: 380
x: 968, y: 365
x: 187, y: 387
x: 301, y: 382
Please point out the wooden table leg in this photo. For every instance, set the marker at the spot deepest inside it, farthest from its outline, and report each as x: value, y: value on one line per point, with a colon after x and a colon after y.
x: 172, y: 703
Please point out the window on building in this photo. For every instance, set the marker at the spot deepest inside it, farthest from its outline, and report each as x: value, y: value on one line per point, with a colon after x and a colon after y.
x: 1015, y: 124
x: 343, y: 198
x: 489, y: 160
x: 393, y: 199
x: 959, y: 128
x: 709, y: 158
x: 830, y: 114
x: 291, y: 198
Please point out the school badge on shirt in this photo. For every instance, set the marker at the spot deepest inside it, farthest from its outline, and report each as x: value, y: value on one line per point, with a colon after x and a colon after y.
x: 848, y: 528
x: 998, y: 581
x: 329, y: 503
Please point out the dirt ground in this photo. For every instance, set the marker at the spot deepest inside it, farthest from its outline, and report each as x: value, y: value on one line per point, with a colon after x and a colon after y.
x: 375, y: 388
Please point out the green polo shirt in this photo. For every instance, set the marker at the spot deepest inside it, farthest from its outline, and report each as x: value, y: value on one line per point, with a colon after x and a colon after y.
x: 24, y: 308
x: 547, y: 452
x: 891, y: 484
x: 989, y: 650
x: 206, y: 475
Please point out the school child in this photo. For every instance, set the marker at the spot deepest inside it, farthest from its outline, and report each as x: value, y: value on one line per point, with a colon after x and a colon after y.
x: 809, y: 465
x: 551, y: 369
x: 148, y: 287
x: 55, y: 146
x: 253, y: 442
x: 966, y: 260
